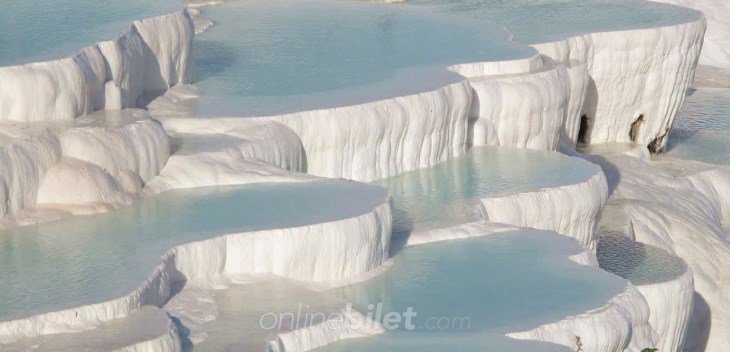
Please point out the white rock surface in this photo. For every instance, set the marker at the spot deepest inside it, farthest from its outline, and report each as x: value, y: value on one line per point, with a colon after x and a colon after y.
x: 384, y: 138
x: 526, y: 109
x: 472, y: 229
x: 684, y: 216
x: 151, y: 56
x: 621, y: 325
x: 145, y: 330
x: 329, y: 251
x: 368, y: 141
x: 670, y: 307
x: 716, y: 50
x: 265, y: 152
x: 633, y: 73
x: 24, y: 164
x: 75, y: 182
x: 571, y: 210
x: 350, y: 326
x: 670, y: 301
x: 264, y: 313
x: 100, y: 160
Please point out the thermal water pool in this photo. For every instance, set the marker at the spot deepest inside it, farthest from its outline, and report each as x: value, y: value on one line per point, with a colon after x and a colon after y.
x: 443, y: 195
x: 248, y: 314
x: 274, y: 57
x: 447, y: 194
x: 640, y: 263
x: 83, y: 260
x: 702, y: 128
x: 42, y: 30
x: 501, y: 283
x: 544, y: 21
x: 188, y: 144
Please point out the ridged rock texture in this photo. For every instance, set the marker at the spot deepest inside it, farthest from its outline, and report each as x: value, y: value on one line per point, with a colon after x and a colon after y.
x: 638, y: 79
x: 684, y: 216
x: 716, y: 50
x: 153, y: 55
x: 327, y: 251
x: 627, y: 84
x: 528, y: 104
x: 98, y: 161
x: 570, y: 210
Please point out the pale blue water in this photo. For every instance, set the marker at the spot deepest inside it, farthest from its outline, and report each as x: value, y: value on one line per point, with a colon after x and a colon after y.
x: 446, y: 194
x: 186, y: 144
x: 540, y: 21
x: 702, y: 127
x: 42, y: 30
x: 241, y: 308
x: 640, y: 263
x: 500, y: 283
x: 267, y: 57
x: 82, y: 260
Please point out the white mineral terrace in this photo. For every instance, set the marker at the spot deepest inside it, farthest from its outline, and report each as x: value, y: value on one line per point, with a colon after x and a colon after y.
x: 165, y: 188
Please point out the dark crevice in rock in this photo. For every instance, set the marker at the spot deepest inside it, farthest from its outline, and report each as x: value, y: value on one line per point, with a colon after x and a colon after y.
x: 657, y: 145
x: 583, y: 131
x: 635, y: 126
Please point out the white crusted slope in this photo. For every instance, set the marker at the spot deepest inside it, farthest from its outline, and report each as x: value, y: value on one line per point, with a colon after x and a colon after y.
x: 368, y: 141
x: 638, y: 79
x: 329, y: 251
x: 527, y: 106
x: 682, y: 215
x: 151, y: 56
x: 716, y: 50
x: 258, y: 152
x: 98, y: 160
x: 384, y: 138
x: 264, y: 313
x: 570, y: 210
x: 664, y: 280
x: 670, y: 305
x: 146, y: 330
x: 621, y: 325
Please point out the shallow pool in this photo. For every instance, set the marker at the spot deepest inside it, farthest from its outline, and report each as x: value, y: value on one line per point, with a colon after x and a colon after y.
x: 272, y: 57
x: 702, y: 127
x: 188, y: 144
x: 479, y: 289
x: 540, y: 21
x: 82, y: 260
x: 640, y: 263
x: 446, y: 194
x: 42, y: 30
x: 252, y: 314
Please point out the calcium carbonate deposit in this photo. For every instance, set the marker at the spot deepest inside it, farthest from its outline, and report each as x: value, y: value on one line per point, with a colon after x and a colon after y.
x: 424, y: 175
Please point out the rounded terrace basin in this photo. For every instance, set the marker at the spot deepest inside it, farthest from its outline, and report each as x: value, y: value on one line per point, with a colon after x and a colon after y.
x: 640, y: 263
x: 43, y: 30
x: 702, y: 128
x: 479, y: 289
x: 543, y: 21
x: 83, y: 260
x: 273, y: 57
x: 447, y: 194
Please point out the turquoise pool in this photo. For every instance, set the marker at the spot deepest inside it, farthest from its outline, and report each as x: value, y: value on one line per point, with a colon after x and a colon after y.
x: 83, y: 260
x: 702, y: 127
x: 540, y: 21
x: 501, y: 283
x: 265, y: 57
x: 640, y: 263
x: 446, y: 194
